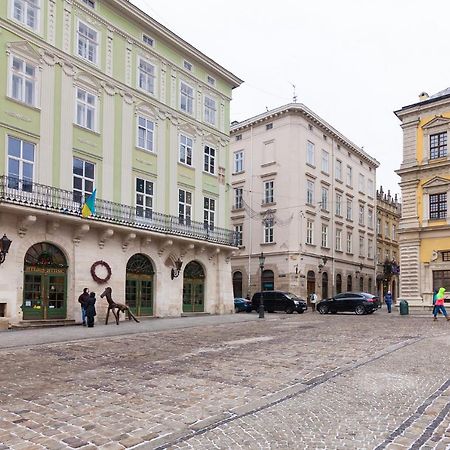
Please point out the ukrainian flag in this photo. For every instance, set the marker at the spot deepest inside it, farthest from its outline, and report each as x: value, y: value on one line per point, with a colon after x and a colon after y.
x: 89, y: 205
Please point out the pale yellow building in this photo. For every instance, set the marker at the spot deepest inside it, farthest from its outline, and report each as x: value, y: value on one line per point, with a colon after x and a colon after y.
x: 424, y: 231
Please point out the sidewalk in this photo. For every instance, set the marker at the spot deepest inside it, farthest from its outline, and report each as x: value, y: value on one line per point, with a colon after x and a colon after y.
x: 37, y: 336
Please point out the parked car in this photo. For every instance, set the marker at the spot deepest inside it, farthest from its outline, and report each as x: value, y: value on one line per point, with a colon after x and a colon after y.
x: 279, y: 301
x: 357, y: 302
x: 242, y: 304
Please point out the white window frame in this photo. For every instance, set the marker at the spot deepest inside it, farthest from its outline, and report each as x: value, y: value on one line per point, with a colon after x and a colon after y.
x: 324, y: 198
x: 338, y: 243
x: 324, y: 242
x: 349, y: 242
x: 209, y: 159
x: 268, y: 231
x: 144, y: 200
x: 145, y: 133
x: 90, y: 3
x: 184, y: 206
x: 238, y: 198
x: 148, y: 40
x: 210, y: 110
x: 146, y: 76
x: 268, y: 188
x: 25, y: 80
x: 338, y: 211
x: 186, y: 98
x: 211, y: 81
x: 325, y: 161
x: 187, y: 66
x: 238, y: 161
x: 310, y: 153
x: 349, y: 212
x: 25, y: 14
x: 209, y: 213
x: 20, y: 181
x: 239, y: 234
x: 89, y: 44
x: 186, y: 150
x: 310, y: 232
x: 310, y: 192
x: 370, y: 217
x: 361, y: 215
x: 338, y: 170
x: 361, y: 183
x: 84, y: 191
x: 85, y: 107
x: 349, y: 176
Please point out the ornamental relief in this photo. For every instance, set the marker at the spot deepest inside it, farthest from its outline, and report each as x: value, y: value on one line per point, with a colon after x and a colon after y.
x: 18, y: 116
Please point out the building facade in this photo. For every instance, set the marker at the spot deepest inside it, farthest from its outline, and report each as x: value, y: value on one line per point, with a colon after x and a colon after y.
x: 388, y: 218
x: 97, y: 96
x: 304, y: 196
x: 424, y: 231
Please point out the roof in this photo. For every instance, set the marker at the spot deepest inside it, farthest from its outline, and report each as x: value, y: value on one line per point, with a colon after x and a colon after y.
x: 441, y: 95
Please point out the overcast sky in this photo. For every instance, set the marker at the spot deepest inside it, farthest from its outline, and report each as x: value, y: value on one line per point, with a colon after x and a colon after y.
x: 353, y: 62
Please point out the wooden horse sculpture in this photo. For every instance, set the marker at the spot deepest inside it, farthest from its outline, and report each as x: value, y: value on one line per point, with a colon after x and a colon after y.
x: 113, y: 306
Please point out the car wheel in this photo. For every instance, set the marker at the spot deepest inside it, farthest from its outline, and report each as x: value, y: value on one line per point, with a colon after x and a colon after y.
x: 289, y: 310
x: 323, y: 309
x: 300, y: 311
x: 360, y: 310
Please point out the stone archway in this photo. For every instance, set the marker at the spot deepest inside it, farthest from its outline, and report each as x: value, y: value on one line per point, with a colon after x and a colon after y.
x: 139, y: 285
x: 237, y: 284
x: 193, y: 288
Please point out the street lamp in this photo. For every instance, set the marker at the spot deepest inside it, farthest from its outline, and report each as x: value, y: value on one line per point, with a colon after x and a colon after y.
x: 175, y: 272
x: 262, y: 258
x: 4, y: 248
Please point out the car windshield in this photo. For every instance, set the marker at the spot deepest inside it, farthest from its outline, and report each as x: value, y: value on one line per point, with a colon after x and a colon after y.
x: 291, y: 296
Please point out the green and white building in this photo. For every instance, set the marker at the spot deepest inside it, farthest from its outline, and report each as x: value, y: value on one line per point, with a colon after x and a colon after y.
x: 95, y: 94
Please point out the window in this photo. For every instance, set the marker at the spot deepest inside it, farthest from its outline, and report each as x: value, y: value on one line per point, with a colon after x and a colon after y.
x: 27, y: 12
x: 209, y: 208
x: 370, y: 217
x: 361, y: 246
x: 310, y: 153
x: 268, y: 231
x: 90, y: 3
x: 86, y: 109
x: 239, y: 161
x: 370, y: 248
x: 238, y: 235
x: 146, y: 76
x: 239, y: 137
x: 211, y: 80
x: 349, y: 242
x: 338, y: 246
x: 361, y: 183
x: 349, y: 176
x: 349, y: 209
x: 268, y: 192
x: 438, y: 145
x: 309, y: 192
x: 187, y: 65
x: 238, y: 198
x: 361, y: 215
x: 210, y: 110
x: 325, y: 161
x: 386, y: 229
x: 146, y: 130
x: 324, y: 235
x: 370, y: 187
x: 338, y: 170
x: 144, y: 198
x: 83, y: 179
x: 185, y: 150
x: 338, y: 204
x: 186, y: 98
x: 378, y: 225
x: 379, y: 255
x: 21, y: 155
x: 23, y: 81
x: 87, y: 42
x: 438, y: 206
x: 309, y: 232
x: 269, y: 126
x: 394, y: 232
x: 324, y: 199
x: 148, y: 40
x: 184, y: 206
x: 209, y: 163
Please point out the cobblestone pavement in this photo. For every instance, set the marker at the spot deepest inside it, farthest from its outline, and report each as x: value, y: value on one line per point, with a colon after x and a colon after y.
x: 286, y: 382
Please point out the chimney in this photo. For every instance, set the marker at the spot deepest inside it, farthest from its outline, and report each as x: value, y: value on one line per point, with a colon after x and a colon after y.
x: 423, y: 96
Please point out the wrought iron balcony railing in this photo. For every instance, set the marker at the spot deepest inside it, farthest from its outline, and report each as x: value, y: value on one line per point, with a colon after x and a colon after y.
x: 39, y: 196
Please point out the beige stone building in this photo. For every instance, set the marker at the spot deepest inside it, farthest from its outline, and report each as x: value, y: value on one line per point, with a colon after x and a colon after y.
x: 388, y: 269
x: 304, y: 196
x: 424, y: 231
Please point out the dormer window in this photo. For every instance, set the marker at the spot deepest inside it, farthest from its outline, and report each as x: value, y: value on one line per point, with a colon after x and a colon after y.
x: 148, y: 40
x: 438, y: 145
x: 187, y: 65
x: 211, y: 81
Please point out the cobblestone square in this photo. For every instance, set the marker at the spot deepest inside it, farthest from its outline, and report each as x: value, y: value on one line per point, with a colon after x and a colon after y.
x: 288, y: 381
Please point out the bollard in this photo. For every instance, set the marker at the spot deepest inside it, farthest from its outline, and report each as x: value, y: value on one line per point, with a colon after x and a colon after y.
x: 404, y: 308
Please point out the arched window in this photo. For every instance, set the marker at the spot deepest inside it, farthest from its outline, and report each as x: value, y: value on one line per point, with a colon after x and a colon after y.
x: 237, y: 284
x: 310, y: 283
x: 45, y: 254
x: 268, y: 280
x: 369, y: 286
x: 361, y: 284
x: 349, y: 283
x: 338, y: 283
x: 140, y: 264
x: 324, y: 285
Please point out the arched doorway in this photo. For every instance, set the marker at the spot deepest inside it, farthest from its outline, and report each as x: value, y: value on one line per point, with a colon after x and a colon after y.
x: 268, y: 280
x: 193, y: 288
x: 139, y: 285
x: 45, y: 285
x: 237, y: 284
x: 338, y: 283
x: 369, y: 286
x: 324, y: 285
x: 361, y: 284
x: 349, y: 283
x: 310, y: 284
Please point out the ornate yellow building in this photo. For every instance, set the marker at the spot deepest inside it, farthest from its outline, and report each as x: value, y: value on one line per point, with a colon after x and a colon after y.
x: 424, y: 231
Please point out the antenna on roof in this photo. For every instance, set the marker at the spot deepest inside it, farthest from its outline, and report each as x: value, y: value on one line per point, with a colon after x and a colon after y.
x: 294, y: 95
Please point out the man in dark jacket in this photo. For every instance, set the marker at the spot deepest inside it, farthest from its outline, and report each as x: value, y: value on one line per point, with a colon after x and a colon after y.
x: 83, y: 300
x: 90, y: 310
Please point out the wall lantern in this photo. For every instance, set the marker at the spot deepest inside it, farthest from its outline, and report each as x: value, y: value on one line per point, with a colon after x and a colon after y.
x: 323, y: 263
x: 176, y: 271
x: 4, y: 248
x: 358, y: 272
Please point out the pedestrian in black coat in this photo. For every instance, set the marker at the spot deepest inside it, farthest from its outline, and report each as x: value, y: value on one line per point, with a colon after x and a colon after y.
x: 90, y: 310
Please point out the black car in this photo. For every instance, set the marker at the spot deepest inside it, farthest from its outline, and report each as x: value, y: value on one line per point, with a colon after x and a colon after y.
x: 279, y: 301
x: 242, y: 304
x: 357, y: 302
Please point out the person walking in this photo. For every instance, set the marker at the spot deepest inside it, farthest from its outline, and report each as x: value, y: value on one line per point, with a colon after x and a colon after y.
x: 439, y: 306
x: 388, y: 301
x: 313, y: 300
x: 90, y: 310
x: 82, y: 299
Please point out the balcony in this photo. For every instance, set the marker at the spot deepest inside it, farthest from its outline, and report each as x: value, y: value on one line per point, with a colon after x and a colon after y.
x: 47, y: 198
